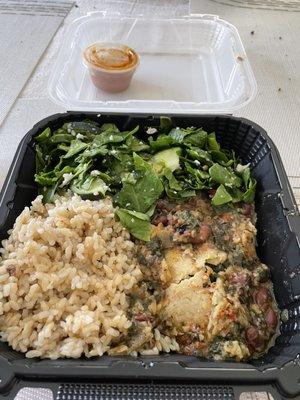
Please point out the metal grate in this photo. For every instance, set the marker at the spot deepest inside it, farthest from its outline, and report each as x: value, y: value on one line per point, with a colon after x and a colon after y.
x: 108, y: 391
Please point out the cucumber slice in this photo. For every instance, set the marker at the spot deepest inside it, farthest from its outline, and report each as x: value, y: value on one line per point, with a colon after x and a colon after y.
x: 166, y: 158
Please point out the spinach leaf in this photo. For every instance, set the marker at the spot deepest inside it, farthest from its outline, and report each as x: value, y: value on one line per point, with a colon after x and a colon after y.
x: 236, y: 194
x: 119, y: 167
x: 141, y: 195
x: 85, y: 128
x: 151, y: 210
x: 187, y: 193
x: 221, y: 197
x: 82, y: 168
x: 44, y: 136
x: 136, y: 223
x: 63, y: 147
x: 178, y: 134
x: 246, y: 174
x: 109, y: 127
x: 93, y: 150
x: 140, y: 164
x: 103, y: 176
x: 76, y: 147
x: 112, y: 136
x: 178, y: 195
x: 224, y: 176
x: 49, y: 193
x: 199, y: 178
x: 135, y: 144
x: 162, y: 142
x: 197, y: 139
x: 171, y: 193
x: 129, y: 177
x: 212, y: 143
x: 173, y: 182
x: 50, y: 178
x: 220, y: 157
x: 165, y: 125
x: 40, y: 162
x: 108, y: 137
x: 61, y: 138
x: 249, y: 195
x: 89, y: 185
x: 201, y: 155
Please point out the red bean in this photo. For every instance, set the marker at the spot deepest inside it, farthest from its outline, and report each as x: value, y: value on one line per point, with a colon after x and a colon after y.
x: 200, y: 237
x: 192, y: 239
x: 205, y: 232
x: 143, y: 317
x: 247, y: 210
x: 211, y: 193
x: 253, y: 337
x: 262, y: 296
x: 163, y: 219
x: 163, y: 205
x: 226, y: 217
x: 239, y: 278
x: 271, y: 318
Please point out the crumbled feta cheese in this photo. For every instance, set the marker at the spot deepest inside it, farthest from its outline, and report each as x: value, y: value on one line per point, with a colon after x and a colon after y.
x: 95, y: 172
x: 127, y: 204
x: 98, y: 115
x: 95, y: 193
x: 197, y: 163
x: 151, y: 131
x: 241, y: 168
x: 79, y: 136
x: 66, y: 179
x: 113, y: 152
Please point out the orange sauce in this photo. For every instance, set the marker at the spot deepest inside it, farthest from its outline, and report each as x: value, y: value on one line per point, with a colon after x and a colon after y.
x: 117, y: 57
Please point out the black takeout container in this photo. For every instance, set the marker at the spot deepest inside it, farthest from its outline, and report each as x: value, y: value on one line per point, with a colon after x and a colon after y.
x: 172, y: 375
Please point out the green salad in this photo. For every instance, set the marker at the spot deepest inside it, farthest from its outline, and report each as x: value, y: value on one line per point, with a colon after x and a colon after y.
x: 138, y: 167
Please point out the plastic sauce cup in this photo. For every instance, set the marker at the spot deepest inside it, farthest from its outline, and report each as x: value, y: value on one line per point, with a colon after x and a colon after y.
x: 111, y: 65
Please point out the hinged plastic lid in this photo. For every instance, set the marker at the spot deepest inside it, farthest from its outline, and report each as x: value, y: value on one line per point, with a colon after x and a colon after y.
x: 188, y: 65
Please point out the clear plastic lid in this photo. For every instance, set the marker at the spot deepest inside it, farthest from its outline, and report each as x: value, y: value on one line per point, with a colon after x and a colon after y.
x: 187, y: 65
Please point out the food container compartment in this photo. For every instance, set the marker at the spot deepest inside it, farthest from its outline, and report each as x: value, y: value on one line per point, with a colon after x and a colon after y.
x: 278, y: 246
x: 187, y: 65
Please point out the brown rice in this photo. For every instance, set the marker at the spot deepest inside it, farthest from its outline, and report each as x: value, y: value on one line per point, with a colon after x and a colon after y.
x: 65, y: 274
